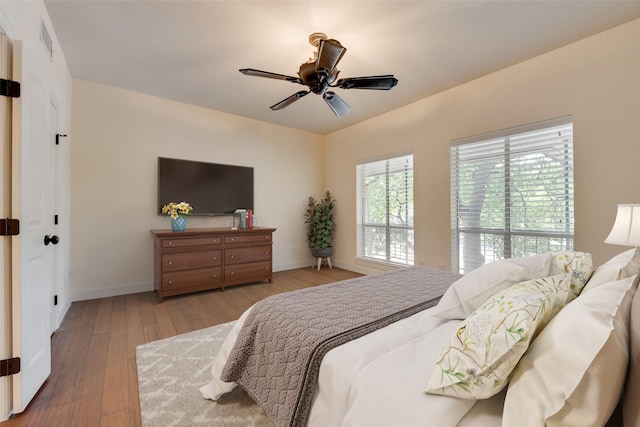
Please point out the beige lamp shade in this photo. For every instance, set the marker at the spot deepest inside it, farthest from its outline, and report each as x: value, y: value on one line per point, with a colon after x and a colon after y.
x: 626, y: 228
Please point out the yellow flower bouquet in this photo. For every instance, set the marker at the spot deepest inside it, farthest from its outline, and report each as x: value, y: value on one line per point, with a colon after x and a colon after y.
x: 174, y: 210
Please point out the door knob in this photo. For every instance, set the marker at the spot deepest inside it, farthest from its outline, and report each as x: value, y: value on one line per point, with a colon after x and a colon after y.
x: 51, y: 239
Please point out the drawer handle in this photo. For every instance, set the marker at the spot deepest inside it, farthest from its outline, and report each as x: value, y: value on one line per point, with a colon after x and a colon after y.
x: 266, y: 268
x: 266, y: 253
x: 232, y: 239
x: 170, y: 243
x: 232, y: 273
x: 170, y: 262
x: 170, y: 281
x: 214, y: 258
x: 231, y: 256
x: 215, y: 275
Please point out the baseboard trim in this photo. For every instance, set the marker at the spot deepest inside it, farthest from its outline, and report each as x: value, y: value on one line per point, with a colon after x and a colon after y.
x: 89, y: 294
x: 366, y: 269
x: 293, y: 266
x: 110, y: 292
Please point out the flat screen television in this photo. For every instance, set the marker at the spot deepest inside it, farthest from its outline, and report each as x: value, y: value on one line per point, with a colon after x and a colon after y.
x: 210, y: 188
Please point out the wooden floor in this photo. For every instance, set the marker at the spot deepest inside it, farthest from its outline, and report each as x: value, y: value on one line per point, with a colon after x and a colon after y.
x: 93, y: 380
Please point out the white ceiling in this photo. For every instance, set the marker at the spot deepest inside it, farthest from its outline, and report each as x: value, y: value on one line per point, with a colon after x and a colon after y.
x: 190, y: 51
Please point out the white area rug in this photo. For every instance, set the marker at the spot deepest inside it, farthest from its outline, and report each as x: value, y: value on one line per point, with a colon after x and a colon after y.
x: 171, y: 371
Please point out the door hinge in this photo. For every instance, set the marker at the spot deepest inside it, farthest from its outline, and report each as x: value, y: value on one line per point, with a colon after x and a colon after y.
x: 9, y: 366
x: 58, y: 136
x: 9, y: 227
x: 55, y: 219
x: 55, y: 300
x: 9, y: 88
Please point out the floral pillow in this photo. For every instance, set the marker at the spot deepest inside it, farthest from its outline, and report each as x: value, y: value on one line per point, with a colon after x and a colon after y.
x: 480, y: 357
x: 578, y: 264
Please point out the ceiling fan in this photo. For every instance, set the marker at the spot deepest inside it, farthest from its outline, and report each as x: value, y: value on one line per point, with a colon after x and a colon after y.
x: 320, y: 74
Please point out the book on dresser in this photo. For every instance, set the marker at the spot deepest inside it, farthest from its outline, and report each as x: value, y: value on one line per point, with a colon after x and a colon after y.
x: 210, y: 258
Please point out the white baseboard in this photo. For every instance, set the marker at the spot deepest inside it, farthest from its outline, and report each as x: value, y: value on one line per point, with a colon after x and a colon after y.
x: 84, y: 295
x: 366, y: 268
x: 292, y: 266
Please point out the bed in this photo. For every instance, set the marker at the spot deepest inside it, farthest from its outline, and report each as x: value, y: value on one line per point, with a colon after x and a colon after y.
x: 541, y: 340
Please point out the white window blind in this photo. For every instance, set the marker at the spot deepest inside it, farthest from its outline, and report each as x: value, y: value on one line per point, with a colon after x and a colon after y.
x: 385, y: 210
x: 512, y: 194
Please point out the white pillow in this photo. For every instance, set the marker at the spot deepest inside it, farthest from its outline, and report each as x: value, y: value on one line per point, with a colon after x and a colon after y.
x: 573, y: 373
x: 621, y: 266
x: 468, y: 293
x: 478, y: 360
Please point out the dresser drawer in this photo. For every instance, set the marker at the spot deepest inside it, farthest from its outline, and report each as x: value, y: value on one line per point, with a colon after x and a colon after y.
x: 192, y: 241
x: 190, y: 280
x: 248, y: 238
x: 251, y: 254
x: 187, y: 260
x: 249, y: 272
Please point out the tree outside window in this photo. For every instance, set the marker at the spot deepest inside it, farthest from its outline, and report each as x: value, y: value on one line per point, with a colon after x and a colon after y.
x: 385, y: 210
x: 512, y: 195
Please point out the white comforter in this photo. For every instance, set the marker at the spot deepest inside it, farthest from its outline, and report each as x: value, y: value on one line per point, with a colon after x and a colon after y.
x: 378, y: 380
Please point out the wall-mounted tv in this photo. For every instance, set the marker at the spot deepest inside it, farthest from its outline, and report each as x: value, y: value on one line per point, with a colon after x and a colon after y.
x: 210, y: 188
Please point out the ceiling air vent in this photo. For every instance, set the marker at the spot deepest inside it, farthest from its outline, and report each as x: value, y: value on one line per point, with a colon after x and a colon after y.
x: 46, y: 39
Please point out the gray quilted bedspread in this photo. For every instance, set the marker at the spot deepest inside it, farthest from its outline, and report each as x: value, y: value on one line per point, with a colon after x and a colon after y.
x: 277, y: 356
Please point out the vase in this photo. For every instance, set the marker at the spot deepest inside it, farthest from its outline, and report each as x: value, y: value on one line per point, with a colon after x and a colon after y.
x: 178, y: 224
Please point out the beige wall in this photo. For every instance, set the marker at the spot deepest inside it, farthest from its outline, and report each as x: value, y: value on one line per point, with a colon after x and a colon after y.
x: 117, y: 137
x: 596, y: 80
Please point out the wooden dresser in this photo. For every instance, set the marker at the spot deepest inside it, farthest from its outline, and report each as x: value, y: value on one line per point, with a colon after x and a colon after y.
x: 210, y: 258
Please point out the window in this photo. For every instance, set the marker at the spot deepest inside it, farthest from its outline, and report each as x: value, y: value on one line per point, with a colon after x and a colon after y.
x: 512, y: 194
x: 385, y: 210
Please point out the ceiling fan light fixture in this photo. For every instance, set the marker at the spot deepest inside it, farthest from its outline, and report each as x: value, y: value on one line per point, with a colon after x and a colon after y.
x: 314, y: 40
x: 307, y: 73
x: 330, y: 52
x: 320, y: 73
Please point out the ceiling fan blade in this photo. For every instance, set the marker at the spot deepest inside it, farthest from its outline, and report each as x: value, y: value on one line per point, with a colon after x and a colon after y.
x: 370, y: 82
x: 329, y: 54
x: 337, y: 105
x: 290, y: 100
x: 267, y: 74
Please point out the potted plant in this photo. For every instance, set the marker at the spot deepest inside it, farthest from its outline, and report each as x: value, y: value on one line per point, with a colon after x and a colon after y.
x: 320, y: 225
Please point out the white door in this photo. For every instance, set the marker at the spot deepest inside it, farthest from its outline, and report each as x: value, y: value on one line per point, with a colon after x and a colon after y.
x: 33, y: 284
x: 53, y: 210
x: 5, y: 242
